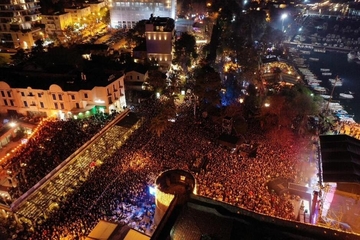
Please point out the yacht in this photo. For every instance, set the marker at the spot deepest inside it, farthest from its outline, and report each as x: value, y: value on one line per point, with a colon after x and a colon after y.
x: 325, y: 69
x: 325, y: 96
x: 326, y: 73
x: 314, y: 59
x: 353, y: 55
x: 336, y: 82
x: 347, y: 95
x: 319, y: 89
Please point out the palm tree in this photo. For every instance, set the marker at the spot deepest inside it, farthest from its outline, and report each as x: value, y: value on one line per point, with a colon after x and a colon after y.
x: 159, y: 124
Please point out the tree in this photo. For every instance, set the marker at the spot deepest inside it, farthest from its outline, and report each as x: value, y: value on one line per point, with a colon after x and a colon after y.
x: 105, y: 15
x: 167, y: 111
x: 159, y: 124
x: 157, y: 80
x: 136, y: 34
x: 207, y: 86
x: 19, y: 56
x: 38, y: 48
x: 184, y: 51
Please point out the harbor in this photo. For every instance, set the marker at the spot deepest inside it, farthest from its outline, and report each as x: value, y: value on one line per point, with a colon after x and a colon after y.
x: 333, y: 88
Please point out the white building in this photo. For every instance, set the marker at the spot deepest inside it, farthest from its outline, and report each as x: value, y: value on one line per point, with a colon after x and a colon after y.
x: 125, y: 14
x: 19, y: 21
x: 159, y: 33
x: 61, y: 95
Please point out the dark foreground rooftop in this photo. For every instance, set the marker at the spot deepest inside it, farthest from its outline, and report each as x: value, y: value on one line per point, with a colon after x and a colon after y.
x: 203, y: 218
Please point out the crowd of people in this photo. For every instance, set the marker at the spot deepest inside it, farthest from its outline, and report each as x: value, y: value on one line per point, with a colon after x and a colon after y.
x: 50, y: 145
x: 117, y: 190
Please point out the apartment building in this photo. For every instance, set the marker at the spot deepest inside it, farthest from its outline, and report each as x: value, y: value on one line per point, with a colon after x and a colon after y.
x: 125, y: 14
x: 56, y: 23
x: 159, y: 33
x: 77, y: 13
x: 19, y: 23
x: 95, y: 6
x: 63, y: 95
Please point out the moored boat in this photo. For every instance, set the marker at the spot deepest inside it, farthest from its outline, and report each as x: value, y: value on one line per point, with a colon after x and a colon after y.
x: 314, y: 59
x: 348, y: 95
x: 320, y: 90
x: 337, y: 82
x: 325, y: 96
x: 326, y: 73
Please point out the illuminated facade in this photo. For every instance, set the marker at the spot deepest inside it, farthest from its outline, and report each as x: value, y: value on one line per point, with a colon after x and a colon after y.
x: 63, y: 98
x: 77, y: 13
x: 19, y: 21
x: 125, y: 14
x: 159, y: 33
x: 56, y: 23
x: 95, y: 7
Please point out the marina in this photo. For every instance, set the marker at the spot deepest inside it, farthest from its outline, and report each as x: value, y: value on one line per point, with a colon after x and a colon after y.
x: 326, y: 89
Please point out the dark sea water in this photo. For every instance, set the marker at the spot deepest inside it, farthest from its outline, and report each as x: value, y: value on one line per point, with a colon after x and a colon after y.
x: 339, y: 65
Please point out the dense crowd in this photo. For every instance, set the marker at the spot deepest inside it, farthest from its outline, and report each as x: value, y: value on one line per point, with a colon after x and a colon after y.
x: 48, y: 147
x: 117, y: 190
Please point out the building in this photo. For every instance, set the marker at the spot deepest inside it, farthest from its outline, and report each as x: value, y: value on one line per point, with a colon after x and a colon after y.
x: 135, y: 77
x: 95, y: 6
x: 78, y: 13
x: 19, y: 23
x: 125, y: 14
x: 64, y: 95
x: 56, y: 23
x: 159, y: 33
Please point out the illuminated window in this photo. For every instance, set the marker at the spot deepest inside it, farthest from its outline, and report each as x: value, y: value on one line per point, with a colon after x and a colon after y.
x: 182, y: 178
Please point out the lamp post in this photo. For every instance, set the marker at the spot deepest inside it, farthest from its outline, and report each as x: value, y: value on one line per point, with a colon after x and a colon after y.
x: 283, y: 16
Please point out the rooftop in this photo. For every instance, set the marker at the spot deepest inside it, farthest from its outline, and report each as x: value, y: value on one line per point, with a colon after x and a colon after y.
x: 70, y: 81
x: 203, y: 218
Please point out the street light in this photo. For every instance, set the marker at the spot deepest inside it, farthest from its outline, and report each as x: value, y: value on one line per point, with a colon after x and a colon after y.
x: 283, y: 16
